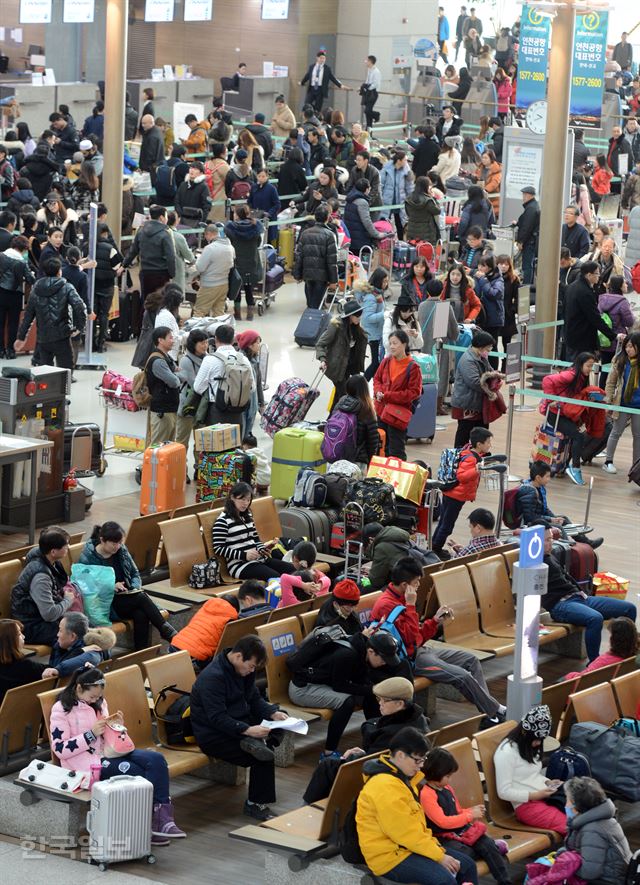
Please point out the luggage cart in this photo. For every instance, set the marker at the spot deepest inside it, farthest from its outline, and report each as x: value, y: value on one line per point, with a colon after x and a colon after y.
x: 495, y: 470
x: 353, y: 522
x: 127, y: 444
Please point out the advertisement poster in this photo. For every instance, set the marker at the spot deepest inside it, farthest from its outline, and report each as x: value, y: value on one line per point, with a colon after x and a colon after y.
x: 587, y: 78
x: 158, y: 11
x: 198, y: 10
x: 78, y: 11
x: 523, y: 169
x: 533, y: 55
x: 35, y: 12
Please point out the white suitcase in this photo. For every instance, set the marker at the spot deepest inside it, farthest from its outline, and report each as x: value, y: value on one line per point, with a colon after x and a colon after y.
x: 53, y: 777
x: 119, y: 822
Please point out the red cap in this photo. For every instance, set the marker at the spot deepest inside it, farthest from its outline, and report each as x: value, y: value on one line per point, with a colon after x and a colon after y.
x: 247, y: 338
x: 346, y: 591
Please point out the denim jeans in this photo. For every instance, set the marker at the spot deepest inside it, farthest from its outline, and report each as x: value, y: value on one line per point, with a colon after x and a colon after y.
x: 590, y: 613
x: 141, y: 763
x: 423, y: 871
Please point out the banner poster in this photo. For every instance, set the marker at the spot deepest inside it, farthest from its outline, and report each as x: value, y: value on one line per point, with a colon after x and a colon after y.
x: 587, y: 76
x: 533, y: 55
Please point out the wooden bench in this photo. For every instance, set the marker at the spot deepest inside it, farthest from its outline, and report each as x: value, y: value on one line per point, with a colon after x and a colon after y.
x: 627, y: 691
x: 492, y: 587
x: 629, y: 665
x: 466, y: 728
x: 596, y: 704
x: 587, y: 680
x: 453, y: 587
x: 510, y: 557
x: 143, y: 540
x: 184, y: 546
x: 365, y: 606
x: 136, y: 658
x: 196, y: 508
x: 207, y: 521
x: 556, y: 698
x: 21, y: 552
x: 308, y: 622
x: 20, y: 724
x: 500, y: 811
x: 266, y: 519
x: 169, y: 670
x: 294, y: 610
x: 237, y: 629
x: 467, y: 785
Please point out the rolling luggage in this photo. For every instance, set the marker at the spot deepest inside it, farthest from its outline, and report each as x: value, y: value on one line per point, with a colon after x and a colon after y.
x: 164, y: 473
x: 423, y: 422
x: 634, y: 472
x: 579, y: 559
x: 289, y: 405
x: 119, y: 820
x: 313, y: 323
x: 82, y: 447
x: 293, y: 449
x: 274, y: 279
x: 217, y: 472
x: 303, y: 522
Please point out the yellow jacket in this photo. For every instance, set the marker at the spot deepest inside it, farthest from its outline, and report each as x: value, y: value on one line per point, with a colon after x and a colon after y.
x: 390, y: 820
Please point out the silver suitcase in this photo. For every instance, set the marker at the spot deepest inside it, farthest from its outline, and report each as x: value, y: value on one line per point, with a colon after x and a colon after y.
x: 119, y: 821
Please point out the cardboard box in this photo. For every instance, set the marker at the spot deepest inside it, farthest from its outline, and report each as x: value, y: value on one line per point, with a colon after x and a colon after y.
x: 217, y: 438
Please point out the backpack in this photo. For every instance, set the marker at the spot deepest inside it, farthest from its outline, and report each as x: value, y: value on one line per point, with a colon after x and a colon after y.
x: 635, y: 277
x: 448, y: 469
x: 310, y: 489
x: 376, y: 497
x: 205, y: 574
x: 628, y: 724
x: 633, y: 870
x: 240, y: 189
x: 140, y: 392
x: 8, y: 179
x: 176, y: 716
x: 566, y: 763
x: 603, y: 341
x: 315, y: 645
x: 388, y: 625
x: 340, y: 437
x: 166, y: 181
x: 510, y: 516
x: 234, y: 388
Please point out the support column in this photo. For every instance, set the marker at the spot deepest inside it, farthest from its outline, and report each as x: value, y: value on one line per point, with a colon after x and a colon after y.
x: 115, y: 87
x: 63, y: 46
x: 552, y: 191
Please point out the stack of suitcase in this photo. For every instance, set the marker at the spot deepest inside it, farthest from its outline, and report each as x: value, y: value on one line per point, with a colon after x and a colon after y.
x: 294, y: 448
x: 218, y: 472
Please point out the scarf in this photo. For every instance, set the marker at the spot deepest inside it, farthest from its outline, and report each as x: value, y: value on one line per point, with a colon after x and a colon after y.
x: 633, y: 380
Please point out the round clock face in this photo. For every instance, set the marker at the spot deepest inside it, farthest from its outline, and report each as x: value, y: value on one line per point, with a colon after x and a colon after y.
x: 537, y: 117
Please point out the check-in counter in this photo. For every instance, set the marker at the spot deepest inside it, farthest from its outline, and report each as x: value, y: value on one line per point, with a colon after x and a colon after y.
x: 165, y: 92
x: 196, y: 90
x: 257, y: 95
x: 36, y: 103
x: 80, y: 97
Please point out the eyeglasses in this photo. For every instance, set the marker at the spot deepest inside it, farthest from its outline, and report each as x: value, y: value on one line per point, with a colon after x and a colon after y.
x: 419, y: 760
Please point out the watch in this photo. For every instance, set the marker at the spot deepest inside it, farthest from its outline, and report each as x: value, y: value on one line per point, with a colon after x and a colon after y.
x: 536, y: 117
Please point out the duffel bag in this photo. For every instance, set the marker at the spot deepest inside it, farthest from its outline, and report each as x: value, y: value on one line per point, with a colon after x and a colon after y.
x: 613, y: 754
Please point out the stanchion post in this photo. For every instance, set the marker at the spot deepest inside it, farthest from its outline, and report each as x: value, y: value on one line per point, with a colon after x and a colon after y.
x: 438, y: 358
x: 87, y: 359
x: 523, y: 369
x: 510, y: 411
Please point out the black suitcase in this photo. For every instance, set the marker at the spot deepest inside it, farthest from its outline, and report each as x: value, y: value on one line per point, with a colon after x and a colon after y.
x: 313, y: 323
x: 120, y: 329
x: 406, y: 515
x: 82, y: 431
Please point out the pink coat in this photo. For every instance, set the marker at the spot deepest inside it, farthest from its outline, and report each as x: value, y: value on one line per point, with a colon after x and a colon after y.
x: 602, y: 660
x: 503, y: 93
x: 68, y: 739
x: 288, y: 582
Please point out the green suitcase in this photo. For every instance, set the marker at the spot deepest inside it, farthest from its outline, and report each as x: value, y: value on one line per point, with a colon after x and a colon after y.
x: 294, y: 448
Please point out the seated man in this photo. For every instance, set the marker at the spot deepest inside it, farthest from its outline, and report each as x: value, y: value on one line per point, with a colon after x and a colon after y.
x: 226, y: 709
x: 201, y: 635
x: 78, y: 645
x: 387, y: 545
x: 397, y: 711
x: 340, y: 608
x: 252, y: 598
x: 392, y: 833
x: 482, y: 525
x: 435, y: 660
x: 533, y: 508
x: 568, y: 604
x: 39, y: 599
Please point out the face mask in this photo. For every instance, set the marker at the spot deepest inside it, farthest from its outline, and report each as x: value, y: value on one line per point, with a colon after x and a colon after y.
x: 569, y: 811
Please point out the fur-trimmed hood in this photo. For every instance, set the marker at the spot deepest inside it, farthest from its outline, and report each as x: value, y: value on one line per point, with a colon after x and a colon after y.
x: 490, y: 382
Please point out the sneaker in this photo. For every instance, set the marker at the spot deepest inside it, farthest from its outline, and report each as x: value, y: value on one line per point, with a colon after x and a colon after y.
x: 158, y: 840
x: 163, y: 824
x: 256, y: 748
x: 609, y: 467
x: 502, y: 846
x: 259, y: 812
x: 575, y: 475
x: 334, y: 755
x: 600, y: 455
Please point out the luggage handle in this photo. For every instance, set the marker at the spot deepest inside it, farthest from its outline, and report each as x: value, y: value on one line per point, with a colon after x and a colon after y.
x: 323, y: 303
x: 316, y: 378
x: 547, y: 423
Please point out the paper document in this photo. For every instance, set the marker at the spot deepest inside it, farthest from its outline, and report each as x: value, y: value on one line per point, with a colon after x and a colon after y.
x: 299, y: 726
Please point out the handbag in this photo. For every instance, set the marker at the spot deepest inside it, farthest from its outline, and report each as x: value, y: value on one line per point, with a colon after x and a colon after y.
x: 408, y: 480
x: 235, y: 284
x: 97, y: 584
x: 116, y: 741
x: 396, y: 416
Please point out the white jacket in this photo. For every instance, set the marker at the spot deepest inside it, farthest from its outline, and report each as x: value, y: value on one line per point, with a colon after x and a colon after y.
x: 448, y: 164
x: 515, y: 777
x: 212, y: 371
x: 164, y: 317
x: 215, y: 262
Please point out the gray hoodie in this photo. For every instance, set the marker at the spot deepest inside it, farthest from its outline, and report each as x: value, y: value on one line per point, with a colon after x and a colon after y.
x: 598, y: 836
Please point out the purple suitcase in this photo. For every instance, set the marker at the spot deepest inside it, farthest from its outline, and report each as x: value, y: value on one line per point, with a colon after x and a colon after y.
x: 274, y: 278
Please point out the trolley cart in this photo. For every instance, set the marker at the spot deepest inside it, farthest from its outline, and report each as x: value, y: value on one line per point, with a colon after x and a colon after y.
x: 495, y: 471
x: 124, y: 443
x: 353, y: 524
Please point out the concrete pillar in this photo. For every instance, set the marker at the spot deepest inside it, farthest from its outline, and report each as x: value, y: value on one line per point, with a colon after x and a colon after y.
x: 115, y: 87
x: 383, y: 29
x: 552, y: 192
x: 63, y: 46
x: 94, y: 43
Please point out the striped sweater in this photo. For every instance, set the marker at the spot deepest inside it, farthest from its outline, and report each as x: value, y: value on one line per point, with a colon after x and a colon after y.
x: 232, y: 540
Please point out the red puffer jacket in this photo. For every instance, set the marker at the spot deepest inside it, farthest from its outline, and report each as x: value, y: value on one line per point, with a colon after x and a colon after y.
x: 468, y: 476
x: 558, y: 385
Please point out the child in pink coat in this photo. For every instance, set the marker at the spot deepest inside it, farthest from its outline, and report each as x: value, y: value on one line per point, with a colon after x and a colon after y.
x: 623, y: 643
x: 77, y: 726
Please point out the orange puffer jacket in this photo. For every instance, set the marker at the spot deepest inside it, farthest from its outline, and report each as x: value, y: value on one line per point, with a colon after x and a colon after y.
x: 202, y: 634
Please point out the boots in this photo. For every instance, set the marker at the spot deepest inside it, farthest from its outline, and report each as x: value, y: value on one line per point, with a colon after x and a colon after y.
x: 167, y: 631
x: 237, y: 312
x: 163, y: 824
x: 249, y: 311
x: 441, y: 408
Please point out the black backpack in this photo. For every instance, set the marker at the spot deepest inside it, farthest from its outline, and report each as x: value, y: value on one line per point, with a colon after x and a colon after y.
x: 633, y: 870
x: 315, y: 645
x: 175, y: 715
x: 166, y: 181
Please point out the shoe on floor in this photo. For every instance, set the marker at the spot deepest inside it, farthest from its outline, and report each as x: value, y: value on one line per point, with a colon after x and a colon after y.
x: 334, y: 755
x: 575, y: 475
x: 163, y: 824
x: 594, y: 543
x: 256, y: 748
x: 259, y: 812
x: 609, y: 467
x: 158, y: 840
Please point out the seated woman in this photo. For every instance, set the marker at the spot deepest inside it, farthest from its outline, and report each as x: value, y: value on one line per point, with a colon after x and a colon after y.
x: 340, y: 608
x: 106, y: 547
x: 79, y: 719
x: 15, y: 669
x: 235, y: 539
x: 595, y: 833
x: 623, y: 644
x: 537, y: 801
x: 294, y: 586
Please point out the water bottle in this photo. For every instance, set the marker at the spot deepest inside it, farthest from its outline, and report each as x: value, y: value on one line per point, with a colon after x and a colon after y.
x: 96, y: 770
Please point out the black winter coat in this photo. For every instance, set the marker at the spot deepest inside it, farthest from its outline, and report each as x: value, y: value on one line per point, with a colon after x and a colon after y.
x: 193, y: 195
x: 224, y: 704
x: 151, y: 150
x: 425, y: 156
x: 14, y: 273
x: 18, y: 200
x: 291, y: 179
x: 528, y: 223
x: 52, y: 303
x: 317, y: 255
x: 40, y: 171
x: 368, y: 440
x: 582, y: 319
x: 246, y: 237
x: 376, y: 733
x: 68, y: 144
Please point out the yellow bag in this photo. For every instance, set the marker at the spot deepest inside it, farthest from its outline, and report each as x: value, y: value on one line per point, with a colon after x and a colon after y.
x: 408, y: 480
x: 608, y: 584
x: 332, y: 397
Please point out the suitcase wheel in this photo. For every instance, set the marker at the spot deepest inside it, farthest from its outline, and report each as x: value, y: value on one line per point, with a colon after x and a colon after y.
x: 260, y: 307
x: 151, y: 858
x: 103, y: 466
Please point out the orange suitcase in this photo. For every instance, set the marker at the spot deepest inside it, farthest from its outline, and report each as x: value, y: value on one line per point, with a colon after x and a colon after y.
x: 164, y: 472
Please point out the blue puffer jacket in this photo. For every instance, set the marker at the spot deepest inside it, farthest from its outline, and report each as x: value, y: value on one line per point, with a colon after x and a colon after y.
x: 390, y: 179
x: 372, y: 319
x: 356, y: 216
x: 490, y: 290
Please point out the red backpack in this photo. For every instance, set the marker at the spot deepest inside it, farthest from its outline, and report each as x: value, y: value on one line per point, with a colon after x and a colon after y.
x: 240, y: 190
x: 510, y: 515
x: 635, y: 277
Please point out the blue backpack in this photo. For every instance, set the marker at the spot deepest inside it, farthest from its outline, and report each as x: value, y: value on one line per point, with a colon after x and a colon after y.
x: 448, y: 469
x: 566, y: 763
x: 389, y: 626
x: 340, y: 437
x: 166, y: 181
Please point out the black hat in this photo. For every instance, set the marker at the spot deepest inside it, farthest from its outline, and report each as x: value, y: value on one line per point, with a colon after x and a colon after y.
x: 351, y: 307
x: 386, y: 646
x: 406, y: 301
